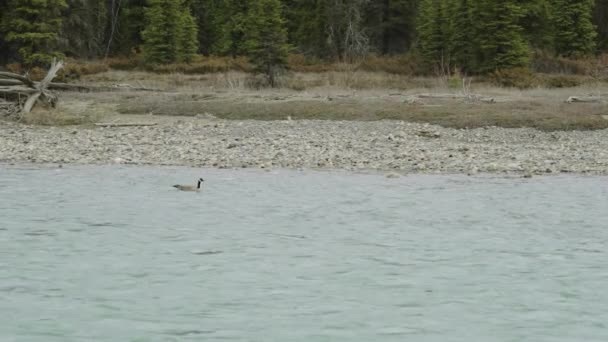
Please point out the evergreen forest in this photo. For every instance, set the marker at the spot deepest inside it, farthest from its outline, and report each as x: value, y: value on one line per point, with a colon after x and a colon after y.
x: 474, y: 36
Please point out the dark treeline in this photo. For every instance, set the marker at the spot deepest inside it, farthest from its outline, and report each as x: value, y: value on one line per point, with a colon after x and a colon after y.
x: 473, y: 35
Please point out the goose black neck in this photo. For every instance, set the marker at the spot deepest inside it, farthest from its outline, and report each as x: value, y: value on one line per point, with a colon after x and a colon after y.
x: 199, y: 185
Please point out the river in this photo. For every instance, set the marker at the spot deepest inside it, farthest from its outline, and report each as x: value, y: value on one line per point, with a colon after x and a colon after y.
x: 114, y: 253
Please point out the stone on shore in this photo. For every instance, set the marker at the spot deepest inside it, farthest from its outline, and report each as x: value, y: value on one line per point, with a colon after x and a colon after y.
x: 390, y: 146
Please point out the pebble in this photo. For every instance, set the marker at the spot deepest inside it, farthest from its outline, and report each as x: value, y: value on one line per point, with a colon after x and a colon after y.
x: 304, y: 144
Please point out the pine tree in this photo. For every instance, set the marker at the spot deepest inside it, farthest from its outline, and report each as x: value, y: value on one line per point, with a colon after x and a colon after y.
x: 266, y: 38
x: 536, y: 23
x: 231, y: 21
x: 435, y: 33
x: 500, y: 39
x: 125, y: 27
x: 600, y: 19
x: 575, y: 33
x: 4, y: 55
x: 83, y: 31
x: 32, y: 28
x: 306, y: 26
x: 391, y: 24
x: 170, y: 34
x: 205, y: 13
x: 463, y: 47
x: 187, y: 37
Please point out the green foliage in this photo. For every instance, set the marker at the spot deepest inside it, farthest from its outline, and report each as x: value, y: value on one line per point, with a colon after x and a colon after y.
x: 391, y: 24
x: 3, y: 47
x: 205, y: 13
x: 306, y: 24
x: 266, y: 38
x: 435, y: 33
x: 600, y: 20
x: 575, y: 33
x: 32, y: 28
x: 124, y: 28
x: 464, y: 48
x: 500, y: 39
x: 536, y: 23
x: 231, y: 21
x: 521, y: 78
x: 187, y: 37
x: 470, y: 36
x: 170, y: 34
x: 84, y: 27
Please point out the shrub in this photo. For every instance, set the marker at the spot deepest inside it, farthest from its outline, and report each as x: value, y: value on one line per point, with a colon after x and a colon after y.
x: 75, y: 69
x: 521, y: 78
x: 125, y: 63
x: 203, y: 65
x: 544, y: 62
x: 562, y: 81
x: 302, y: 63
x: 399, y: 65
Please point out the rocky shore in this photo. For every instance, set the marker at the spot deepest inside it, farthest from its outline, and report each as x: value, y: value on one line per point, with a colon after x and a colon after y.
x: 388, y: 146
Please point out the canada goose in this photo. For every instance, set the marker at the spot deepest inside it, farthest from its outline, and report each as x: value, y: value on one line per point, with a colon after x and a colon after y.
x: 190, y: 187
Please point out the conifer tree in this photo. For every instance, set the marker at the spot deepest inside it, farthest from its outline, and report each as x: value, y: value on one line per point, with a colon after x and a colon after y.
x: 128, y: 25
x: 187, y: 36
x: 32, y: 28
x: 266, y: 38
x: 500, y: 39
x: 575, y: 33
x: 600, y: 19
x: 206, y: 14
x: 231, y: 19
x: 84, y: 27
x: 170, y: 34
x: 435, y: 33
x: 3, y: 47
x: 391, y: 24
x: 306, y: 26
x: 463, y: 47
x: 536, y: 23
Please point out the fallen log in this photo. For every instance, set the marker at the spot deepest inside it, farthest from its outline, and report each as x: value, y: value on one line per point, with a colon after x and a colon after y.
x: 5, y: 82
x: 34, y: 92
x: 8, y: 109
x: 589, y: 99
x: 469, y: 97
x: 85, y: 88
x: 133, y: 124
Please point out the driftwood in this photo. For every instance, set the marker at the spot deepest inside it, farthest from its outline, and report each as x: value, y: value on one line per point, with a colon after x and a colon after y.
x: 87, y: 89
x: 6, y: 82
x: 8, y: 109
x: 468, y: 97
x: 34, y: 92
x: 134, y: 124
x: 589, y: 99
x: 27, y: 93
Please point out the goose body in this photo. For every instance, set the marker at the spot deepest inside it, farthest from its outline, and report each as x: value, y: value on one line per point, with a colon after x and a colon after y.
x: 190, y: 187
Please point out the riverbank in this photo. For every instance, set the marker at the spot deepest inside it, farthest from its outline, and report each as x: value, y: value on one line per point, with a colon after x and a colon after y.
x: 388, y: 146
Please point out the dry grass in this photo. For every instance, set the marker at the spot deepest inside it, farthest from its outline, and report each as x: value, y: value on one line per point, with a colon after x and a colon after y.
x: 541, y: 109
x: 66, y: 114
x: 356, y: 95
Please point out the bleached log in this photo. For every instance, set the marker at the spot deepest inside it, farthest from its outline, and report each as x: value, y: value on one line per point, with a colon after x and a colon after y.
x: 35, y: 91
x: 441, y: 96
x: 470, y: 97
x: 17, y: 90
x: 590, y: 99
x: 21, y: 78
x: 133, y: 124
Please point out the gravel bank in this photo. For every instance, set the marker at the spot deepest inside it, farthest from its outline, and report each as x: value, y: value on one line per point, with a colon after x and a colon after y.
x: 389, y: 146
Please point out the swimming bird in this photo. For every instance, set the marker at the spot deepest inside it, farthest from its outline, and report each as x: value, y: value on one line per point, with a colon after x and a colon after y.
x: 190, y: 187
